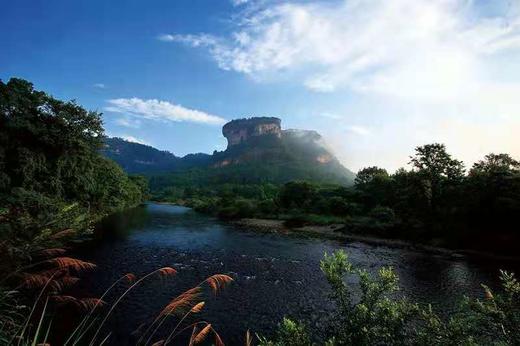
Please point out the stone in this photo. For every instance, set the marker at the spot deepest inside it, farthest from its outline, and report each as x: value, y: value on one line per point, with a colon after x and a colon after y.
x: 241, y: 130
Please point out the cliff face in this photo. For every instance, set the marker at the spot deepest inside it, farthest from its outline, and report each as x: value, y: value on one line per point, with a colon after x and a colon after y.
x: 258, y: 151
x: 241, y: 130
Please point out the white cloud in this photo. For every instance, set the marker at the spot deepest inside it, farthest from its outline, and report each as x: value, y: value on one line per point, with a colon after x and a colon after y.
x: 99, y: 86
x: 428, y: 50
x: 129, y: 122
x: 416, y: 70
x: 358, y: 130
x: 161, y: 111
x: 133, y: 139
x: 239, y: 2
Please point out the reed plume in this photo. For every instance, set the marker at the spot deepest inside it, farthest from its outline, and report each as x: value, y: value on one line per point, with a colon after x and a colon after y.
x: 201, y: 336
x: 183, y: 301
x: 83, y: 326
x: 52, y: 252
x: 64, y: 282
x: 167, y: 271
x: 163, y: 272
x: 130, y: 278
x: 35, y: 280
x: 63, y: 234
x: 178, y: 304
x: 74, y: 263
x: 197, y: 308
x: 89, y: 304
x: 63, y: 300
x: 218, y: 281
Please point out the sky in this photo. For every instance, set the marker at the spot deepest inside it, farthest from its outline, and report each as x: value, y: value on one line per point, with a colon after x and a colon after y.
x: 375, y: 77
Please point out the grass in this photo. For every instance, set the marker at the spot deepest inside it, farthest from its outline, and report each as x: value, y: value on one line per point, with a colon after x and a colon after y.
x: 51, y: 276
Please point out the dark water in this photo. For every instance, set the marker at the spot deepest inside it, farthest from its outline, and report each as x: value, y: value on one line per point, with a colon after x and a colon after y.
x: 275, y: 275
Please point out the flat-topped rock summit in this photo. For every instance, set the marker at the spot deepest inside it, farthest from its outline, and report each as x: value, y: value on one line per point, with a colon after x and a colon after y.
x: 258, y: 150
x: 241, y: 130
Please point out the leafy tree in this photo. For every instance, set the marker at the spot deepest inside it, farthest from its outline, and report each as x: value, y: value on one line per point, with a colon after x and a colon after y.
x: 494, y: 184
x: 52, y: 176
x: 374, y: 185
x: 440, y: 176
x: 296, y: 194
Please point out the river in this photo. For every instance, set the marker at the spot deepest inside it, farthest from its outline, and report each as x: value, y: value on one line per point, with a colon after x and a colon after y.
x: 275, y: 275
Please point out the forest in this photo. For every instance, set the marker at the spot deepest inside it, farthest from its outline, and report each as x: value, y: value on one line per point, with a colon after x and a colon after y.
x: 435, y: 202
x: 55, y: 186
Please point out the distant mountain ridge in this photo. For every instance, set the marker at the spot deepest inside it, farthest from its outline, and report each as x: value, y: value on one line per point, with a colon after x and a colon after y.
x: 258, y: 151
x: 145, y: 159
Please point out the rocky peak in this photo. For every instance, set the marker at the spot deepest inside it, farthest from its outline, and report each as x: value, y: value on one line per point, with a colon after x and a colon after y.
x: 240, y: 130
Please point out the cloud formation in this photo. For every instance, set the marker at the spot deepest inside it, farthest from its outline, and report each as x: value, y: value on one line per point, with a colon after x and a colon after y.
x: 414, y: 71
x: 161, y: 111
x: 367, y: 46
x: 128, y: 122
x: 239, y: 2
x: 134, y: 139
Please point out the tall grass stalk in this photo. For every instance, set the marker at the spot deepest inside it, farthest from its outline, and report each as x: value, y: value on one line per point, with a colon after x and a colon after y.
x: 161, y: 270
x: 26, y: 324
x: 87, y: 317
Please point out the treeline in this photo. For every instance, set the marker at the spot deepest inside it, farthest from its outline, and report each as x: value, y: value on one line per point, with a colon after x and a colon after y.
x: 435, y: 201
x: 53, y: 181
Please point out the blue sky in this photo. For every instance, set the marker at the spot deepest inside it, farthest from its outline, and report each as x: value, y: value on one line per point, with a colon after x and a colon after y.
x: 375, y: 77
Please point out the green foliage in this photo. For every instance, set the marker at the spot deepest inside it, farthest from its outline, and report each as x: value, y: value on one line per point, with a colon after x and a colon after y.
x: 49, y: 161
x: 380, y: 317
x: 53, y: 181
x: 376, y: 318
x: 296, y: 194
x: 290, y: 333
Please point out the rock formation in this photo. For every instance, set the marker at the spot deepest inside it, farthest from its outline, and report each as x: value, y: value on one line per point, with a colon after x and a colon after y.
x: 241, y: 130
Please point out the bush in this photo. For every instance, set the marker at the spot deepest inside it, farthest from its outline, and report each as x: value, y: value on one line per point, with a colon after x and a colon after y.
x: 378, y: 317
x: 384, y: 215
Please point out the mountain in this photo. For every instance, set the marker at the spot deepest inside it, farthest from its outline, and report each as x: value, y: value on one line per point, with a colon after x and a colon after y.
x: 144, y: 159
x: 258, y: 151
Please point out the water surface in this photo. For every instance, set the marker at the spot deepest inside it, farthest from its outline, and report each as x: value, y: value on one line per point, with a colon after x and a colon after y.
x: 275, y: 275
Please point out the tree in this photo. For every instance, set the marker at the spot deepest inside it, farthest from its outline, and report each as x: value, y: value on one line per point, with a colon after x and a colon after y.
x: 440, y: 176
x: 496, y: 164
x: 494, y: 184
x: 52, y: 176
x: 374, y: 185
x: 296, y: 194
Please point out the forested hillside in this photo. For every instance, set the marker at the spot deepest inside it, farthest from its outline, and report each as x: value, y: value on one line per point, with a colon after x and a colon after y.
x: 52, y: 177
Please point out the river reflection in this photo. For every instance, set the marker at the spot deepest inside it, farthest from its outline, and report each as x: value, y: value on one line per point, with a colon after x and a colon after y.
x: 275, y: 275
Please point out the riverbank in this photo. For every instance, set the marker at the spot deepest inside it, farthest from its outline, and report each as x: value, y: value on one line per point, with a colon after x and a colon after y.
x: 339, y: 232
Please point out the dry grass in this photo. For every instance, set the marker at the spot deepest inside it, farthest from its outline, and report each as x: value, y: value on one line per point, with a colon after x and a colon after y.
x: 33, y: 280
x: 197, y: 308
x: 63, y: 283
x: 72, y: 263
x: 167, y: 271
x: 182, y: 302
x: 64, y: 234
x: 52, y: 252
x: 249, y: 340
x: 57, y: 278
x: 200, y: 336
x: 218, y: 281
x: 89, y: 304
x: 218, y: 339
x: 130, y: 278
